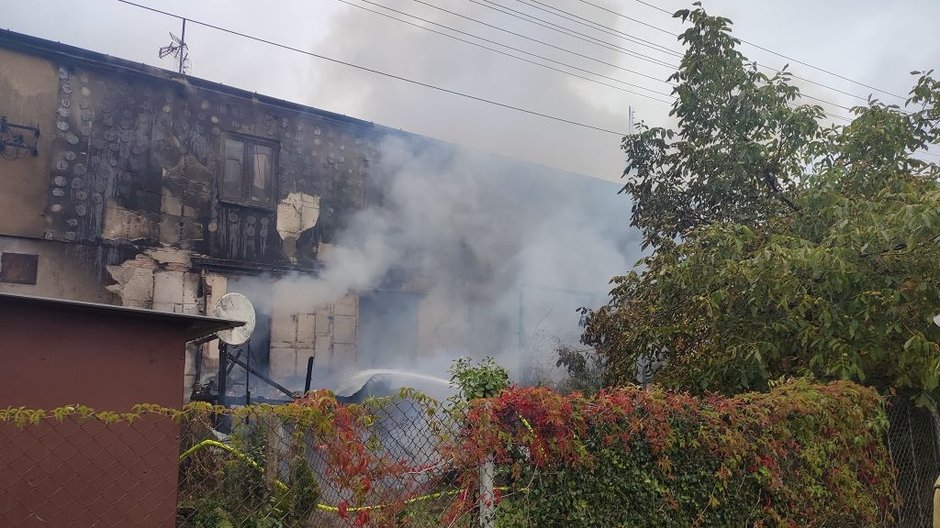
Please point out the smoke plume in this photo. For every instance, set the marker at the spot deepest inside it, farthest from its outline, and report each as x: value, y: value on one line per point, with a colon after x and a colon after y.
x: 468, y: 254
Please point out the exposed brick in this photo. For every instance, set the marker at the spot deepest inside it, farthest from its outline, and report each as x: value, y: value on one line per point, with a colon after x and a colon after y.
x: 324, y: 326
x: 169, y: 255
x: 283, y: 362
x: 306, y: 329
x: 167, y: 287
x: 344, y: 329
x: 283, y: 327
x: 323, y: 345
x: 344, y: 354
x: 138, y: 289
x: 347, y: 305
x: 190, y: 288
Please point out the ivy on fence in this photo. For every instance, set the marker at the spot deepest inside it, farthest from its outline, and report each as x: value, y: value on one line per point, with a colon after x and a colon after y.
x: 802, y: 454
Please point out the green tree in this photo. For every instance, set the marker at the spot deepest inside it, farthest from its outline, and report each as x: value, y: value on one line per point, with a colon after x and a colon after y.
x: 779, y: 246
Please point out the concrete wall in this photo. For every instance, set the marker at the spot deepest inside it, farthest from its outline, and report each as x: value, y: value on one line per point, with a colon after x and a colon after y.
x: 28, y: 96
x: 62, y: 270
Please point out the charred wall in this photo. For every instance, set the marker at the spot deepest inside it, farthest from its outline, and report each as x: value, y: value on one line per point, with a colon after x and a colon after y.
x: 123, y: 204
x: 137, y: 160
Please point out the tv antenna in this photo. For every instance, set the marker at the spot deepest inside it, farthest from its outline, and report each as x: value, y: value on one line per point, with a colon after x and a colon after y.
x: 178, y: 50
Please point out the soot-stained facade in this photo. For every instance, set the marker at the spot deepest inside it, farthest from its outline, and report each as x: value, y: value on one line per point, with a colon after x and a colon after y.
x: 151, y: 189
x: 127, y: 184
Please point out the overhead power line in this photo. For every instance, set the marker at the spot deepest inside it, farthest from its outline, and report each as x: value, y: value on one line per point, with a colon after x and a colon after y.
x: 758, y: 46
x: 532, y: 19
x: 564, y: 30
x: 835, y: 116
x: 542, y: 6
x: 394, y: 76
x: 375, y: 71
x: 538, y: 41
x: 828, y: 114
x: 615, y: 32
x: 518, y: 50
x: 762, y: 66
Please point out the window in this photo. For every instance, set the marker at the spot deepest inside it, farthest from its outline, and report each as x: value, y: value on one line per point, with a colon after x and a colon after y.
x: 248, y: 169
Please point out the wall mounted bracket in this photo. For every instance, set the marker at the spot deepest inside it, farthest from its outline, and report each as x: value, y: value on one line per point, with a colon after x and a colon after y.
x: 15, y: 139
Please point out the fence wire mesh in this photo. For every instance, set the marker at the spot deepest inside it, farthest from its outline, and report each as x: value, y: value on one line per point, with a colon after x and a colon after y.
x: 914, y: 443
x: 380, y: 464
x: 383, y: 464
x: 80, y: 473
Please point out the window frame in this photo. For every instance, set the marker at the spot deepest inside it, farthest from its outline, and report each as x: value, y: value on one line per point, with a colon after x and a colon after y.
x: 249, y: 142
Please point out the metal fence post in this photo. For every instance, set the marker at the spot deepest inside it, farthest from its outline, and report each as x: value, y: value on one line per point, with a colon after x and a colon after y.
x: 487, y: 495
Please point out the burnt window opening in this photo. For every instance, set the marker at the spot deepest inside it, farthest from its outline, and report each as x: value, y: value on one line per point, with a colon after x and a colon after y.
x: 249, y: 166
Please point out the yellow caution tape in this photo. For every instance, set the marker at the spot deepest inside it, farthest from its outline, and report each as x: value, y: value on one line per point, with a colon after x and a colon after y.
x: 325, y: 507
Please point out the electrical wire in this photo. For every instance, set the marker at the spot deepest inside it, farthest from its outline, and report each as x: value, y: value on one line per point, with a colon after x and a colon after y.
x: 398, y: 77
x: 532, y: 19
x: 538, y: 41
x: 757, y: 46
x: 567, y: 15
x: 766, y: 68
x: 375, y: 71
x: 540, y: 56
x: 561, y: 63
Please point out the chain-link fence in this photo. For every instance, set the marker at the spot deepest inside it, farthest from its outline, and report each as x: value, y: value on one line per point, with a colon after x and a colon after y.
x: 914, y: 443
x: 380, y: 467
x: 77, y: 472
x: 380, y: 464
x: 317, y: 463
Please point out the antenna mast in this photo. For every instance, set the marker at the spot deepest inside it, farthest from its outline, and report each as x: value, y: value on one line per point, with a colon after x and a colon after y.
x: 178, y: 50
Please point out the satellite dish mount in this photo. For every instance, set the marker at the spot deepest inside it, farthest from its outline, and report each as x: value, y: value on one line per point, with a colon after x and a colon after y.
x: 236, y: 307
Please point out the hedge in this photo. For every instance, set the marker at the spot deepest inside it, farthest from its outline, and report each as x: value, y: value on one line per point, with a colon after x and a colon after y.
x: 801, y: 455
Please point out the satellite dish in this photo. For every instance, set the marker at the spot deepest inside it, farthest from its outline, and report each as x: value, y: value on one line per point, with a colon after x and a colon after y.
x: 236, y: 307
x: 176, y: 39
x: 936, y: 319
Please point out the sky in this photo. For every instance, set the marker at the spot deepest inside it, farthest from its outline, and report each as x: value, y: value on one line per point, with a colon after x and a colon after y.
x: 870, y: 41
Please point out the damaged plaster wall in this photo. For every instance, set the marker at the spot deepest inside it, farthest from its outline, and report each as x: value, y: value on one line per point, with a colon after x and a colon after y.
x: 134, y: 160
x: 297, y: 214
x: 152, y: 149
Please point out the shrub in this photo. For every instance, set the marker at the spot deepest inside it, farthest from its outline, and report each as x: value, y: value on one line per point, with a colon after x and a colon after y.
x: 800, y: 455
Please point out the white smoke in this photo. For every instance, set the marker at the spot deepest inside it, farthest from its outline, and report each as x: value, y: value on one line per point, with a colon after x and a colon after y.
x: 500, y: 254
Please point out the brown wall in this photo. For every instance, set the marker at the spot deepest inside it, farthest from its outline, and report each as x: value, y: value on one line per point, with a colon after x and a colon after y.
x: 28, y: 93
x: 57, y: 357
x: 86, y: 473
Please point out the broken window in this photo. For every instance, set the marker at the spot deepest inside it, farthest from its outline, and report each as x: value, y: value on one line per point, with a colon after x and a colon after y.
x: 248, y: 169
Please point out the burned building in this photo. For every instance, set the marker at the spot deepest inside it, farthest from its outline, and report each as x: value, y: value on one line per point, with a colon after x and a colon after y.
x: 128, y: 184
